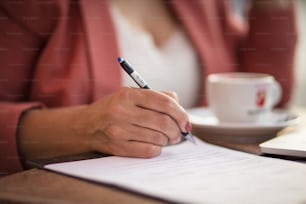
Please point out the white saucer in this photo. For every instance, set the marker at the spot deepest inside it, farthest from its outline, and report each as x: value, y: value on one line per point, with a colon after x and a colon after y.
x: 207, y: 126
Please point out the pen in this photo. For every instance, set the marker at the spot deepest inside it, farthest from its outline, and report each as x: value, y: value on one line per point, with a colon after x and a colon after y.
x: 143, y: 84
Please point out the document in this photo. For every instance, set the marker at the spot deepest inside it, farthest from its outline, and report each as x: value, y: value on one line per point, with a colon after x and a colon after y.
x: 201, y: 173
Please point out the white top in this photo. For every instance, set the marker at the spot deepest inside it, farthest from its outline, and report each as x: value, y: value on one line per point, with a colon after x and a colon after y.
x: 171, y: 67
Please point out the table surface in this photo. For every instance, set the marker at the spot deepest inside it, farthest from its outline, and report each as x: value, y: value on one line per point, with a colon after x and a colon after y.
x: 41, y: 186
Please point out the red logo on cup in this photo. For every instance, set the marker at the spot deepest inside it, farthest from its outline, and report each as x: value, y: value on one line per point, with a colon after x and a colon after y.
x: 260, y: 97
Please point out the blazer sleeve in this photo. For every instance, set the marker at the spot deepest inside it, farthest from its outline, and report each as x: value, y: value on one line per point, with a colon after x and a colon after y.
x: 10, y: 115
x: 21, y: 39
x: 270, y: 46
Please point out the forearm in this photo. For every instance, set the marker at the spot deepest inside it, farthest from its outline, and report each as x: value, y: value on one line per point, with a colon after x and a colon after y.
x: 48, y: 133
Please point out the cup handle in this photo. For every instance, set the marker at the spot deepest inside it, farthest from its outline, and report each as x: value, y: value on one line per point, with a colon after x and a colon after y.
x: 276, y: 93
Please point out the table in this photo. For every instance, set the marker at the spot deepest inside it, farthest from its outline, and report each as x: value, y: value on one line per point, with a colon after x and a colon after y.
x: 42, y: 186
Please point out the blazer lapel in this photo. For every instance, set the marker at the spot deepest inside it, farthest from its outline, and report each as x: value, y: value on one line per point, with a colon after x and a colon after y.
x: 102, y: 47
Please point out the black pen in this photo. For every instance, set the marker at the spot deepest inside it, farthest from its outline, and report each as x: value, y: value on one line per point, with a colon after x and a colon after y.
x: 143, y: 84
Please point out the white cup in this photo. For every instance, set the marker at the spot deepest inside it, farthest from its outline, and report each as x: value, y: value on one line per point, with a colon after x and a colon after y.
x: 239, y: 97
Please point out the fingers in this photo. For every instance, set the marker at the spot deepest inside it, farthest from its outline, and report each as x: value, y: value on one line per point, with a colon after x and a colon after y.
x: 162, y: 103
x: 138, y: 149
x: 137, y: 134
x: 131, y: 149
x: 172, y: 95
x: 161, y: 123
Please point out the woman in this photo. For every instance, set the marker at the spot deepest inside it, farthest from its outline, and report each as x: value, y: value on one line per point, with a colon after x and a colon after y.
x: 60, y: 82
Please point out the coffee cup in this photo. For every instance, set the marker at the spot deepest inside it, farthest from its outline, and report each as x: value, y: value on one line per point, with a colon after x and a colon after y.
x: 239, y: 97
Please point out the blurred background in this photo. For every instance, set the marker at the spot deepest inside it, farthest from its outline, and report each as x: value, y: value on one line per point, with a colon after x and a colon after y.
x: 299, y: 98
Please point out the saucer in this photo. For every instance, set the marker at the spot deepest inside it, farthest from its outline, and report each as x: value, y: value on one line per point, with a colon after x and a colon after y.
x: 207, y: 126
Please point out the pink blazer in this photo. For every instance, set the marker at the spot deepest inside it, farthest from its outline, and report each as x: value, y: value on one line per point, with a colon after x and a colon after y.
x: 63, y: 53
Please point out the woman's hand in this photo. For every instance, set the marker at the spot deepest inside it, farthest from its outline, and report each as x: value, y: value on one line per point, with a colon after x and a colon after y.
x: 134, y: 122
x: 130, y: 122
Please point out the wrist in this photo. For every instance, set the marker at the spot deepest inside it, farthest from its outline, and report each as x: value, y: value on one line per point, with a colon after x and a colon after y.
x: 47, y: 133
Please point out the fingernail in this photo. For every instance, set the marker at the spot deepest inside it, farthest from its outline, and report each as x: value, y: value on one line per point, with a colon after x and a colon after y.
x: 188, y: 127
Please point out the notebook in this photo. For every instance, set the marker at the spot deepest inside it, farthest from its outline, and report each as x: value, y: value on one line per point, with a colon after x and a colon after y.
x: 290, y: 144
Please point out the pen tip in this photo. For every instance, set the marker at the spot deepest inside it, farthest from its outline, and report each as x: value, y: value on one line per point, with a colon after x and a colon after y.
x: 188, y: 136
x: 191, y: 139
x: 119, y: 59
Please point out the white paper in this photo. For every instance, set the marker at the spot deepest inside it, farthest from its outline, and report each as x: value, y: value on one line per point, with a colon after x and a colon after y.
x: 201, y: 173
